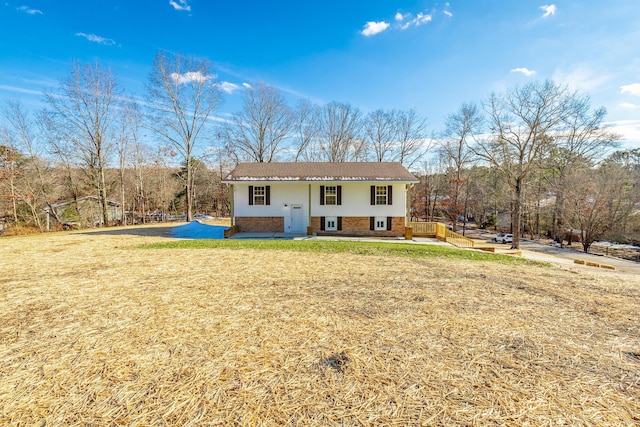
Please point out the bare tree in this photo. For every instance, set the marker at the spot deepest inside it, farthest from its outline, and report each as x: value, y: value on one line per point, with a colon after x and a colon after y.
x: 63, y: 154
x: 182, y: 94
x: 411, y: 137
x: 461, y: 129
x: 9, y: 171
x: 339, y: 139
x: 521, y: 121
x: 599, y: 198
x: 580, y: 139
x: 380, y: 133
x: 126, y: 139
x: 82, y: 112
x: 26, y: 138
x: 396, y: 136
x: 257, y: 133
x: 306, y: 128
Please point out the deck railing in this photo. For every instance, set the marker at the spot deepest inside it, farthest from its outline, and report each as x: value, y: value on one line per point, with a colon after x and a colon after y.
x: 439, y: 231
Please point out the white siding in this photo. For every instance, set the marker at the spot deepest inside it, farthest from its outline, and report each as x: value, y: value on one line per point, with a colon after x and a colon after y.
x: 356, y: 200
x: 282, y: 194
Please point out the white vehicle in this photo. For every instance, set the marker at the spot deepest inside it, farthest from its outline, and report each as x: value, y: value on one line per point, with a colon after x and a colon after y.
x: 503, y: 238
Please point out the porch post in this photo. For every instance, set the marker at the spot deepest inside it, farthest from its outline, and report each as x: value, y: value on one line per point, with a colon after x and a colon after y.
x: 408, y: 204
x: 309, y: 227
x: 231, y: 210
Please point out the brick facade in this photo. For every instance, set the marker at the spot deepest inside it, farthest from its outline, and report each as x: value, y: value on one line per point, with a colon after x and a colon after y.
x: 272, y: 224
x: 359, y: 226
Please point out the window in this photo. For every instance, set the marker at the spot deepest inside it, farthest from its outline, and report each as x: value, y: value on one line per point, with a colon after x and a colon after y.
x: 331, y: 223
x: 259, y: 195
x: 331, y: 194
x: 381, y: 194
x: 380, y: 223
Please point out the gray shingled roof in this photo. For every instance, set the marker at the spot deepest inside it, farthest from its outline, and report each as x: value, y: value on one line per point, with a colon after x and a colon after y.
x: 320, y: 171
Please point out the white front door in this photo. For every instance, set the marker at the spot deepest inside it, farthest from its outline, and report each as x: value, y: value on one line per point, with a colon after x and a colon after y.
x: 297, y: 219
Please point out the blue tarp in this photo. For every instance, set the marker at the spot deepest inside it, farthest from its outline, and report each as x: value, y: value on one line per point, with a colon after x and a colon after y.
x: 197, y: 230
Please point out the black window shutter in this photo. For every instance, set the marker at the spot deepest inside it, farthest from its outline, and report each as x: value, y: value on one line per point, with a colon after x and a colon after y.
x: 339, y: 202
x: 388, y: 223
x: 372, y: 223
x: 321, y: 223
x: 373, y: 195
x: 267, y: 191
x: 339, y: 223
x: 251, y: 194
x: 322, y: 194
x: 389, y: 195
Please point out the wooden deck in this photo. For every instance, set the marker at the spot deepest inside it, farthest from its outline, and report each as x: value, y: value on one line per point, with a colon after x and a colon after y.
x: 439, y: 231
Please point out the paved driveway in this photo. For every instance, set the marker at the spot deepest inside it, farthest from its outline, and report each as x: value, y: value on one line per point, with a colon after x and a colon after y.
x: 548, y: 253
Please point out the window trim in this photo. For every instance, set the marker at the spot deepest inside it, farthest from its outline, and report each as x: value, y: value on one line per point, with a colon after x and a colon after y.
x: 331, y: 198
x: 380, y: 220
x: 381, y: 194
x: 386, y: 220
x: 324, y: 195
x: 266, y: 195
x: 388, y: 195
x: 328, y: 220
x: 325, y: 219
x: 259, y: 195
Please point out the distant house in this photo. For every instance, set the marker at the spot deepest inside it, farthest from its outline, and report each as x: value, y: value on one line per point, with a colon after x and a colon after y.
x: 82, y: 212
x: 321, y: 197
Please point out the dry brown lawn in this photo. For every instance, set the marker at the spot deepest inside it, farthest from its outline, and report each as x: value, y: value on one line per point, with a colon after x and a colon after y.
x: 94, y: 331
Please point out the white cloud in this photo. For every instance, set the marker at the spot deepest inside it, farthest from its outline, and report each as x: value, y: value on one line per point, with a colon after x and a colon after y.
x: 629, y: 106
x: 527, y: 72
x: 228, y: 87
x: 97, y: 39
x: 632, y: 89
x: 247, y: 85
x: 180, y: 5
x: 191, y: 76
x: 372, y: 28
x: 20, y: 90
x: 446, y: 12
x: 584, y: 77
x: 629, y: 129
x: 548, y: 10
x: 422, y: 18
x: 27, y: 9
x: 403, y: 21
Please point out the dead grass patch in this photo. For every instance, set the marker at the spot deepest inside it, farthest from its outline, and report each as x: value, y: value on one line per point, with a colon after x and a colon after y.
x: 94, y: 332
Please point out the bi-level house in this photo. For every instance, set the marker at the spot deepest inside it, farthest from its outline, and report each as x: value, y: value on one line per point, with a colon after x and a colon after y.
x: 321, y: 197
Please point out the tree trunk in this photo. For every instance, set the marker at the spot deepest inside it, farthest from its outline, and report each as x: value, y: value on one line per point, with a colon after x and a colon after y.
x: 189, y: 184
x: 103, y: 189
x: 515, y: 215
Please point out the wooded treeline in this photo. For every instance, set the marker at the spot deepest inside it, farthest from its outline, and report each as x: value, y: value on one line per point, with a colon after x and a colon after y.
x: 538, y: 153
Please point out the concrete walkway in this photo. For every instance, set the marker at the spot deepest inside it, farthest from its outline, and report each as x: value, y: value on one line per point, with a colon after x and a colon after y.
x: 269, y: 236
x: 301, y: 236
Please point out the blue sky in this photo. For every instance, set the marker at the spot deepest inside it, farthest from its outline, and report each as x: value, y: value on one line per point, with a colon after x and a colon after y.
x: 427, y: 55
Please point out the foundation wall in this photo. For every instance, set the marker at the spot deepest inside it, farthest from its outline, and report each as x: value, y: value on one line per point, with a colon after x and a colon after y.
x: 359, y: 226
x: 271, y: 224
